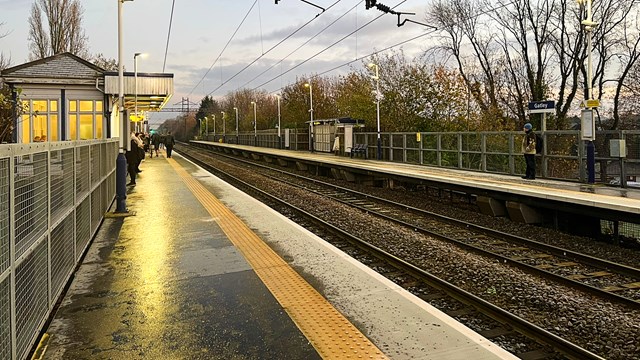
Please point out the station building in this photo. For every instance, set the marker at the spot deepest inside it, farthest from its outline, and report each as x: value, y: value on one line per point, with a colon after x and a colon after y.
x: 65, y: 97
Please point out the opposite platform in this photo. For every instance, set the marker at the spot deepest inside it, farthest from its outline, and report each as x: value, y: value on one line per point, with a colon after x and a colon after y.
x: 551, y: 194
x: 168, y: 283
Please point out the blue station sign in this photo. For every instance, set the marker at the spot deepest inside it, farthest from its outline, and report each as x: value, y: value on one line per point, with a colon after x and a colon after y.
x: 542, y: 106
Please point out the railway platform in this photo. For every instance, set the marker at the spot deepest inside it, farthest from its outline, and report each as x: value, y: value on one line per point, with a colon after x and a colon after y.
x: 203, y: 271
x: 500, y: 195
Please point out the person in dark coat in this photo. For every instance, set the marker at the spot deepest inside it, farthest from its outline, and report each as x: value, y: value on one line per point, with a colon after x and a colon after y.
x: 529, y: 151
x: 155, y: 141
x: 169, y: 141
x: 133, y: 159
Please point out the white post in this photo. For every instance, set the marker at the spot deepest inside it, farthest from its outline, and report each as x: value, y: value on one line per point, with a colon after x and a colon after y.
x: 135, y: 90
x: 589, y: 25
x: 124, y: 131
x: 279, y: 138
x: 123, y: 136
x: 237, y: 134
x: 310, y: 85
x: 377, y: 78
x: 224, y: 128
x: 255, y: 124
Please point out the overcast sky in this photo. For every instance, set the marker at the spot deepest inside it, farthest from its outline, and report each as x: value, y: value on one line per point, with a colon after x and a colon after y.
x: 202, y: 28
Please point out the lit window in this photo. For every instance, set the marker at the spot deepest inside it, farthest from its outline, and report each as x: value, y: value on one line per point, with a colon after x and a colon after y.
x: 26, y: 129
x: 86, y: 106
x: 53, y: 123
x: 39, y: 128
x: 85, y: 119
x: 86, y: 126
x: 40, y: 121
x: 40, y: 106
x: 99, y: 125
x: 73, y: 127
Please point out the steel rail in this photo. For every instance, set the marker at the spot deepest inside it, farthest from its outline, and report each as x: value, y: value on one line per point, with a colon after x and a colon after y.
x: 522, y: 326
x: 588, y: 260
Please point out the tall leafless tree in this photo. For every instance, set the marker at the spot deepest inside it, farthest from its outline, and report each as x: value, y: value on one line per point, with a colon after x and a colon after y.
x: 5, y: 60
x: 56, y: 27
x: 512, y: 52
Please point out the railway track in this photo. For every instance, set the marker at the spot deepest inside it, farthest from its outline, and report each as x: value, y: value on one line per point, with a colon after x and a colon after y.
x: 513, y: 333
x: 609, y: 280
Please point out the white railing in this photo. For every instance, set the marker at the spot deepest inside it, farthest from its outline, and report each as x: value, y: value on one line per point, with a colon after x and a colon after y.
x: 53, y: 197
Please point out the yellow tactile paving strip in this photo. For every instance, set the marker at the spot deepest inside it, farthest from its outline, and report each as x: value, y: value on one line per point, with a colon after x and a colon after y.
x: 330, y: 333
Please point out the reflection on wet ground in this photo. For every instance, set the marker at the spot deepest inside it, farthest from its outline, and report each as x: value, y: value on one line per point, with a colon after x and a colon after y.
x: 169, y: 286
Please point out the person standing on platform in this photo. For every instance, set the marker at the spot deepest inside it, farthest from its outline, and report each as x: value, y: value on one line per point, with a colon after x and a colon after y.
x: 169, y: 141
x: 155, y: 141
x: 529, y: 151
x: 140, y: 149
x: 133, y: 159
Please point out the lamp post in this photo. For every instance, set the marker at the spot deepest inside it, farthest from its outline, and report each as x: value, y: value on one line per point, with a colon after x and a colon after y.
x: 206, y: 121
x: 377, y: 79
x: 135, y: 91
x: 224, y: 128
x: 121, y: 162
x: 589, y: 25
x: 237, y: 135
x: 309, y: 85
x: 213, y: 116
x: 279, y: 137
x: 255, y: 124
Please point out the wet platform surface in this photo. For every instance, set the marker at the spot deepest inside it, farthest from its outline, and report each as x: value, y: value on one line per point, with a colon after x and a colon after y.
x: 171, y: 286
x: 174, y: 282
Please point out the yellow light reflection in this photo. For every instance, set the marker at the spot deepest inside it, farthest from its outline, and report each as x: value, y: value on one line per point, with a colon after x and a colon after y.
x: 152, y: 264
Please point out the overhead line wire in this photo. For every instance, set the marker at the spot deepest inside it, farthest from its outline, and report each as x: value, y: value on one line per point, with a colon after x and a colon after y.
x: 398, y: 44
x: 329, y: 47
x: 409, y: 40
x: 368, y: 55
x: 166, y: 50
x: 225, y: 47
x: 273, y: 47
x: 303, y: 44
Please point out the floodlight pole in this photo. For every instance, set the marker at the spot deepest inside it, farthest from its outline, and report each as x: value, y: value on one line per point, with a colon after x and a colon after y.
x: 377, y: 79
x: 589, y: 25
x: 237, y: 134
x: 255, y: 124
x: 121, y: 162
x: 224, y: 128
x: 310, y: 85
x: 279, y: 137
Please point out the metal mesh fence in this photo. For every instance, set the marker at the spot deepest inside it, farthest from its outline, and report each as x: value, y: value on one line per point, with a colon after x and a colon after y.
x: 5, y: 319
x: 95, y: 164
x: 104, y: 161
x: 104, y: 198
x: 62, y: 260
x: 30, y: 199
x: 83, y: 226
x: 96, y: 209
x: 111, y: 187
x: 4, y: 214
x: 31, y: 178
x: 62, y: 184
x: 31, y: 298
x: 82, y: 171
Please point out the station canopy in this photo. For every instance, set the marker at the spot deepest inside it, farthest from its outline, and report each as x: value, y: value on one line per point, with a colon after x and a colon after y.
x: 153, y: 89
